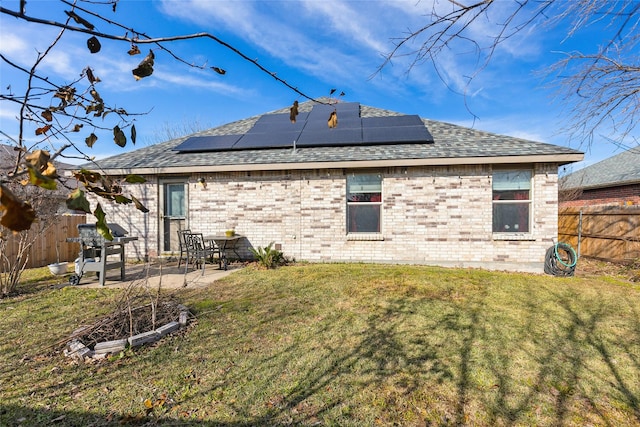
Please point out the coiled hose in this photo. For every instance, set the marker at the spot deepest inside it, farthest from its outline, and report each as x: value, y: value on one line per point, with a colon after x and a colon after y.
x: 560, y: 260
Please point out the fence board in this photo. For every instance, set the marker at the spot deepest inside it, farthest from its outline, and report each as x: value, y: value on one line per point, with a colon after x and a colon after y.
x: 43, y: 250
x: 610, y: 233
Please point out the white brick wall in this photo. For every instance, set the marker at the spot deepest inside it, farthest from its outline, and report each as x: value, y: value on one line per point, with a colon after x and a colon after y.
x: 430, y: 215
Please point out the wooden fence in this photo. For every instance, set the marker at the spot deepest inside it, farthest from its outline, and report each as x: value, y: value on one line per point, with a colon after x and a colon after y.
x: 610, y: 233
x: 43, y: 250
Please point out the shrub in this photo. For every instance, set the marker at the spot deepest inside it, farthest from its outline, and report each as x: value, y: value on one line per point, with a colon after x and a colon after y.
x: 268, y: 257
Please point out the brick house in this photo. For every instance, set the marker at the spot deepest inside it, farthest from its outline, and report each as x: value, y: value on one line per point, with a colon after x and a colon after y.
x: 613, y: 181
x: 369, y: 190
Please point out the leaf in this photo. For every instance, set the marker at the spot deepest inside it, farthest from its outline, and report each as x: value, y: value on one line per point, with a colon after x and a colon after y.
x: 50, y: 171
x: 118, y: 136
x: 293, y: 112
x: 134, y: 179
x: 43, y: 130
x: 47, y: 115
x: 119, y: 198
x: 38, y: 159
x: 145, y: 68
x: 17, y: 215
x: 94, y: 45
x: 332, y: 91
x: 139, y: 205
x: 92, y: 79
x: 101, y: 224
x: 86, y: 176
x: 219, y: 70
x: 90, y: 140
x: 38, y: 179
x: 135, y: 50
x: 96, y: 96
x: 148, y: 403
x: 77, y: 127
x: 333, y: 120
x: 79, y: 20
x: 77, y: 201
x: 134, y: 134
x: 66, y: 93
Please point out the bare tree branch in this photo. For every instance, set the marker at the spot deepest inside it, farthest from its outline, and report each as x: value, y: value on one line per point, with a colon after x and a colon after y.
x: 600, y: 89
x: 141, y: 38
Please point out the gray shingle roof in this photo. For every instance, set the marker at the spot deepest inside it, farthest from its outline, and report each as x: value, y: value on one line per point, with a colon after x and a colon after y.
x: 621, y: 169
x: 451, y: 142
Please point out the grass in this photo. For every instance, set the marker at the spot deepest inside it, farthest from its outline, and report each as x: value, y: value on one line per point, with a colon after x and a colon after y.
x: 354, y: 345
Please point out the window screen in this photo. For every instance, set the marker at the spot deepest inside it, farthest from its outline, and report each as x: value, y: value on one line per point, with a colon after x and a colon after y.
x: 364, y: 203
x: 511, y: 201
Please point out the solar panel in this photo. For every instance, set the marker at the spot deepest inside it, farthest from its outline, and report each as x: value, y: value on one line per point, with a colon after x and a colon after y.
x: 320, y: 112
x: 328, y: 137
x: 408, y: 120
x: 278, y: 120
x: 396, y: 134
x: 394, y: 129
x: 343, y: 122
x: 267, y: 140
x: 311, y: 130
x: 208, y: 143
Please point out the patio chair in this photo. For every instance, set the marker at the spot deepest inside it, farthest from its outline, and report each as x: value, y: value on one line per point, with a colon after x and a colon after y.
x: 199, y: 250
x: 183, y: 245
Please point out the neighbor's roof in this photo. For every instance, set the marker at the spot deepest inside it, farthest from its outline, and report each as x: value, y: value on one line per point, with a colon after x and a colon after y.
x: 452, y: 145
x: 621, y: 169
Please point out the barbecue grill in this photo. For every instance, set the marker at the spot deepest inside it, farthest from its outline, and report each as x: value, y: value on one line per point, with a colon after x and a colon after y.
x: 98, y: 254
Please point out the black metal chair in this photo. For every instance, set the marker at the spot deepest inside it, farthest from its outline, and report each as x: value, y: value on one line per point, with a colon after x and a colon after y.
x: 182, y: 242
x: 199, y: 251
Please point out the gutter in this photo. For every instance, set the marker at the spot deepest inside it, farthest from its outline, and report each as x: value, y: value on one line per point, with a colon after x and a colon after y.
x: 561, y: 159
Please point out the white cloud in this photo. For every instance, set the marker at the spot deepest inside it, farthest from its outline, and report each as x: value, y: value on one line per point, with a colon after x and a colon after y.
x: 340, y: 43
x: 195, y: 82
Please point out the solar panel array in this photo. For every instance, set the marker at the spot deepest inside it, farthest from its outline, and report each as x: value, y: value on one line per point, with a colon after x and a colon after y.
x: 312, y: 130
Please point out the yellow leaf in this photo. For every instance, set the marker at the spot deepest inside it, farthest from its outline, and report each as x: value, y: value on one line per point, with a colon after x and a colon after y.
x: 148, y: 403
x: 333, y: 120
x: 39, y: 159
x: 37, y: 178
x: 50, y: 171
x: 293, y: 112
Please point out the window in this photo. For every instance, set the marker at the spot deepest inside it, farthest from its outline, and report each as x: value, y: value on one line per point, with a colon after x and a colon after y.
x: 511, y: 201
x: 364, y: 203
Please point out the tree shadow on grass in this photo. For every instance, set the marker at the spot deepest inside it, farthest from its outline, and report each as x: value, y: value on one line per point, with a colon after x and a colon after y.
x: 563, y: 357
x: 376, y: 359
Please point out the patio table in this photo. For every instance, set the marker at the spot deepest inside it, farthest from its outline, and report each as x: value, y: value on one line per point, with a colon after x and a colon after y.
x: 225, y: 243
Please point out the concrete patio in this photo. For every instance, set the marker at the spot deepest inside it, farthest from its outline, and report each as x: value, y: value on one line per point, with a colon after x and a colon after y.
x: 165, y: 273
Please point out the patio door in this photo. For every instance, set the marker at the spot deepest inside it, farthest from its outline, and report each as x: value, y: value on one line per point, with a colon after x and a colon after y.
x: 174, y: 214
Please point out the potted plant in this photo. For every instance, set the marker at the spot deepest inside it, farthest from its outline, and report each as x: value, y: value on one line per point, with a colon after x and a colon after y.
x: 59, y: 268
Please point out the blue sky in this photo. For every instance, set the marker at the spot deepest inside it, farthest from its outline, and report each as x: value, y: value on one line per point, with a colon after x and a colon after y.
x: 314, y: 46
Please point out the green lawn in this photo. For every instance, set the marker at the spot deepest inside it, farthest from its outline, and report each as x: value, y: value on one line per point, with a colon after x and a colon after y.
x: 348, y: 345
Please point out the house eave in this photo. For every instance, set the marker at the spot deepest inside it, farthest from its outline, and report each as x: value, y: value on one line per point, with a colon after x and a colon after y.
x: 605, y: 185
x: 560, y: 159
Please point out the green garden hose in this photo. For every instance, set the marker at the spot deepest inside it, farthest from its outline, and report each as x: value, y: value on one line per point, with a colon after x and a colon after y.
x: 560, y: 260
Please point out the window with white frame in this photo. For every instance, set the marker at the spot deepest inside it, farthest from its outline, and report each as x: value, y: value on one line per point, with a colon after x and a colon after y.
x: 364, y: 203
x: 512, y: 201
